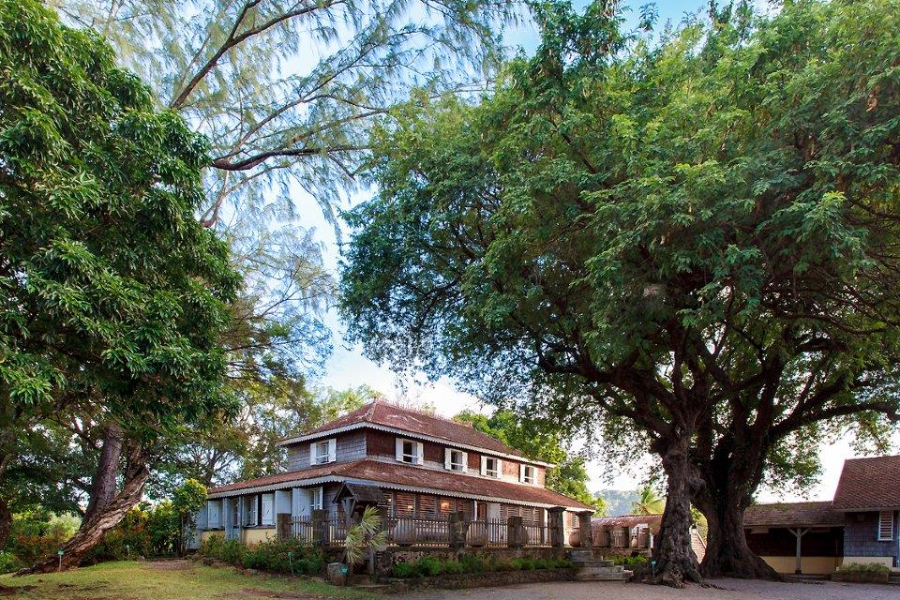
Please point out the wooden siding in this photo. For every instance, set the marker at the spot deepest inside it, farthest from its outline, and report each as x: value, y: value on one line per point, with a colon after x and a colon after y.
x: 350, y: 446
x: 861, y: 537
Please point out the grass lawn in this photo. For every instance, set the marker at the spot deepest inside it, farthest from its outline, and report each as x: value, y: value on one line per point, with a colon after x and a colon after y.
x: 168, y: 580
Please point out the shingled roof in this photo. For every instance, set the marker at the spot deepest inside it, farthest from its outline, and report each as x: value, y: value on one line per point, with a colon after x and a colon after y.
x: 793, y: 514
x: 398, y: 476
x: 385, y: 414
x: 869, y: 484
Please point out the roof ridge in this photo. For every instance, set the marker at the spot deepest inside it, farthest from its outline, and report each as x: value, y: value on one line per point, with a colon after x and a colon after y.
x: 420, y: 411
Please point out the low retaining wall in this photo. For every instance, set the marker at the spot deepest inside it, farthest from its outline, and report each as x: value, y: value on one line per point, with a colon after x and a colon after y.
x: 860, y: 577
x: 474, y: 580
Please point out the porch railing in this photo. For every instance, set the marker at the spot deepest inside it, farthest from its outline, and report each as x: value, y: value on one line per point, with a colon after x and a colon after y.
x: 431, y: 532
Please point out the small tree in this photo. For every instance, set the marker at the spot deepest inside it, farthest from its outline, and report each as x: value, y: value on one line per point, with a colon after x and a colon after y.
x: 648, y: 502
x: 187, y: 501
x: 365, y: 539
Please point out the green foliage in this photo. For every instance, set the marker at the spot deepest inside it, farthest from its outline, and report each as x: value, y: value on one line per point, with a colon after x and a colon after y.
x: 9, y: 562
x: 431, y: 566
x: 364, y: 538
x: 630, y: 561
x: 36, y: 535
x: 648, y: 502
x: 689, y: 242
x: 276, y: 556
x: 865, y: 568
x: 114, y: 296
x: 540, y: 440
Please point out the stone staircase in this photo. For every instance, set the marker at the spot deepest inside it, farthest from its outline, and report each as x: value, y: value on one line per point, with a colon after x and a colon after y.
x: 894, y: 578
x: 590, y: 568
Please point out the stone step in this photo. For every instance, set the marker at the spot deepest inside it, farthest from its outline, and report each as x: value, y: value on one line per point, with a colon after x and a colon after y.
x: 597, y: 573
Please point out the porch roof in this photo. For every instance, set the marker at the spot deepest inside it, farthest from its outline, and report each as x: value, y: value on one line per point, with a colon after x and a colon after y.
x: 793, y: 514
x: 396, y: 476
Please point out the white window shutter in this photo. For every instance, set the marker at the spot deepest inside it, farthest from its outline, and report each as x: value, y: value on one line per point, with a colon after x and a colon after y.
x: 268, y: 509
x: 312, y: 453
x: 499, y: 468
x: 522, y: 473
x: 332, y: 450
x: 465, y: 462
x: 420, y: 453
x: 484, y: 465
x: 399, y: 447
x: 448, y: 458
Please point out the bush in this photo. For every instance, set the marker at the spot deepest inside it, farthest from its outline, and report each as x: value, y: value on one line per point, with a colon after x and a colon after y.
x: 9, y: 562
x: 430, y: 566
x: 865, y: 568
x: 276, y: 556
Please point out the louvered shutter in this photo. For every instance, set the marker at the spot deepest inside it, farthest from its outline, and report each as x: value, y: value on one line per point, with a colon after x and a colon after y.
x: 420, y: 453
x: 332, y: 450
x: 399, y: 449
x: 313, y: 459
x: 448, y: 458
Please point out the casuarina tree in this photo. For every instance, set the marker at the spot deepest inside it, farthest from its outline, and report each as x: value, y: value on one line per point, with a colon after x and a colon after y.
x: 113, y: 294
x: 690, y: 241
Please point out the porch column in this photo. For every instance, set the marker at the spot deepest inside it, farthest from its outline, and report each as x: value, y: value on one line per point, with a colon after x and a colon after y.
x: 798, y: 533
x: 226, y: 517
x: 557, y: 526
x: 586, y: 531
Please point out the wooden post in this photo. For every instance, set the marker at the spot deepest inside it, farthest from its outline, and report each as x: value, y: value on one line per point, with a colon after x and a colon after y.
x: 557, y: 526
x: 799, y: 533
x: 283, y: 531
x: 320, y: 528
x: 587, y: 533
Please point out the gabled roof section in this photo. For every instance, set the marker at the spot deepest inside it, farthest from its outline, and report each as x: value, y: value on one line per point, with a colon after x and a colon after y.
x: 869, y: 484
x: 392, y: 417
x: 793, y: 514
x: 398, y: 476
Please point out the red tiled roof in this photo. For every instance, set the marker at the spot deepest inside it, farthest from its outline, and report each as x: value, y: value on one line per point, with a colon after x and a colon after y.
x: 869, y: 484
x: 395, y: 474
x: 653, y: 521
x: 391, y: 415
x: 793, y: 514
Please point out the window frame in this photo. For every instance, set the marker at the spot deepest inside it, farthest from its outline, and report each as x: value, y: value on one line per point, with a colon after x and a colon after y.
x: 523, y: 474
x: 316, y: 458
x: 450, y: 465
x: 497, y: 470
x: 415, y: 458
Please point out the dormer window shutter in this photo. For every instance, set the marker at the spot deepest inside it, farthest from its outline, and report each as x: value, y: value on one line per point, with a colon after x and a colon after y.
x: 448, y: 458
x: 484, y: 465
x: 313, y: 459
x: 420, y: 453
x: 522, y: 473
x: 499, y: 469
x: 465, y: 462
x: 332, y: 450
x: 399, y: 449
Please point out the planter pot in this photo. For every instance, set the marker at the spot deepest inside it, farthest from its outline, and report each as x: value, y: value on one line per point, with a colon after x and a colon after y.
x: 336, y: 573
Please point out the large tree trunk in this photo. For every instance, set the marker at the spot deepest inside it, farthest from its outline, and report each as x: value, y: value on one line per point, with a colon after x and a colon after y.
x: 5, y: 521
x: 92, y: 530
x: 675, y: 559
x: 727, y: 552
x: 103, y: 484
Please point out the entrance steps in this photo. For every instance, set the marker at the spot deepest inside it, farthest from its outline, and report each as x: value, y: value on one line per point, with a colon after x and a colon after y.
x: 589, y: 568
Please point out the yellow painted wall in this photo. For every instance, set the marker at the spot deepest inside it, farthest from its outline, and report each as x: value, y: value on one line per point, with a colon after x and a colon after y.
x: 810, y: 565
x: 257, y: 535
x: 205, y: 535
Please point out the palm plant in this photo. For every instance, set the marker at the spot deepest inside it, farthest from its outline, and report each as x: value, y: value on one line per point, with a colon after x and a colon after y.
x: 648, y: 503
x: 364, y: 539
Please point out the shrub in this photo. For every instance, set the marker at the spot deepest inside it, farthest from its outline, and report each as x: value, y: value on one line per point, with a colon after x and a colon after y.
x: 430, y: 566
x: 405, y: 570
x: 9, y: 562
x: 865, y: 568
x: 277, y: 556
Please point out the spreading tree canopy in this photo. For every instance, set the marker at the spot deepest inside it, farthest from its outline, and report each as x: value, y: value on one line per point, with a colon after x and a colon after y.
x: 114, y: 296
x: 695, y: 238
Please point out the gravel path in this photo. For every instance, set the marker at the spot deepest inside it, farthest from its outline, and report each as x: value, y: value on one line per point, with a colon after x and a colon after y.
x: 726, y: 589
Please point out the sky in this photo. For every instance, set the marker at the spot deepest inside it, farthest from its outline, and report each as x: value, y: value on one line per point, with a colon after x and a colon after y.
x: 347, y: 367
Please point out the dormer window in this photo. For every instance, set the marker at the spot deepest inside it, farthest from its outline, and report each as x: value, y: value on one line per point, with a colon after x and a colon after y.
x: 323, y: 452
x: 491, y: 467
x: 410, y: 452
x: 456, y: 460
x: 527, y: 474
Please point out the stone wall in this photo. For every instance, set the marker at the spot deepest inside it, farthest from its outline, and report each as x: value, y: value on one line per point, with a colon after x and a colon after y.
x: 474, y: 580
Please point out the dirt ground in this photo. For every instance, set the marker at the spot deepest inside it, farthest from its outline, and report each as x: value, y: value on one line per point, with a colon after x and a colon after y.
x: 726, y: 589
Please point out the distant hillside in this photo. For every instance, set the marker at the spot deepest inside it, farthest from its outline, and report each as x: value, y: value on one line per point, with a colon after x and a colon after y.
x: 618, y: 502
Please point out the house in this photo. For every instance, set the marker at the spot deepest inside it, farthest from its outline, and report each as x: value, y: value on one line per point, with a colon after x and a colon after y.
x: 420, y: 470
x: 858, y: 526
